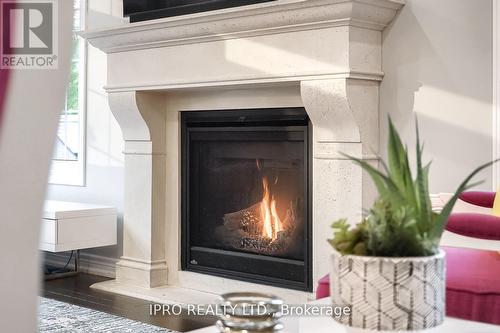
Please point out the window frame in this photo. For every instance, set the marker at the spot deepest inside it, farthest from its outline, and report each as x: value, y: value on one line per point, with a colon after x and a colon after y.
x: 67, y: 172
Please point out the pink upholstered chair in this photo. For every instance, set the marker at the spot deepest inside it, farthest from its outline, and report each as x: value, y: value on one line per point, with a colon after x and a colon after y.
x: 471, y: 224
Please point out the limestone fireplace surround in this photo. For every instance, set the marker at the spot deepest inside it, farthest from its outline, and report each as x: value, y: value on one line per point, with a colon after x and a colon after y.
x: 323, y: 55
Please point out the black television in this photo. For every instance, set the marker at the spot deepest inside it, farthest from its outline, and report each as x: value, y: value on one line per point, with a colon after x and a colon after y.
x: 142, y: 10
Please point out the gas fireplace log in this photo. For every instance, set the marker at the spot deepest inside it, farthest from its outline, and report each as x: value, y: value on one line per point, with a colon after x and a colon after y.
x: 247, y: 219
x: 289, y: 221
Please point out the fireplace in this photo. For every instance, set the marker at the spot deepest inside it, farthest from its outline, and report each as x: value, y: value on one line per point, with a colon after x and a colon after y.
x: 245, y: 195
x: 324, y: 56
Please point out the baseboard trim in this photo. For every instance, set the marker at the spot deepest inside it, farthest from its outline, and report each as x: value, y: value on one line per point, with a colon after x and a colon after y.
x: 141, y: 273
x: 89, y: 263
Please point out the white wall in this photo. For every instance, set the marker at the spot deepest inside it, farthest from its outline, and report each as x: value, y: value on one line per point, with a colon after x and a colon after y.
x: 437, y: 57
x: 104, y: 180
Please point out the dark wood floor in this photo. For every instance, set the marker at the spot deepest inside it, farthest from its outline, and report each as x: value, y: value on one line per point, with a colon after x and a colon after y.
x: 75, y: 290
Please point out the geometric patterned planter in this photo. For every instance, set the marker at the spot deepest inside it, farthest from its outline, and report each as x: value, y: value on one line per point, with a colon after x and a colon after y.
x: 389, y: 294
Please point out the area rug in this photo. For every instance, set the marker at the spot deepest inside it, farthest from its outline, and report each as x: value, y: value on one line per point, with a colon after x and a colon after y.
x: 59, y: 317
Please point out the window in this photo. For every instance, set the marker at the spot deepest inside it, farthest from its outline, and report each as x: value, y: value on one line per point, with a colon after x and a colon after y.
x: 68, y: 162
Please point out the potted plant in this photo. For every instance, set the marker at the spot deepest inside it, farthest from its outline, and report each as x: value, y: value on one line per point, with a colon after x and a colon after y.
x: 389, y: 269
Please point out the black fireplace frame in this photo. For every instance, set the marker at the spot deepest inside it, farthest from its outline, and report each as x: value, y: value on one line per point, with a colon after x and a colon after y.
x: 237, y: 120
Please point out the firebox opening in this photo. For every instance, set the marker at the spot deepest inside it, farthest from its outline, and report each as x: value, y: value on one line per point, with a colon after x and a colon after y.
x: 245, y: 195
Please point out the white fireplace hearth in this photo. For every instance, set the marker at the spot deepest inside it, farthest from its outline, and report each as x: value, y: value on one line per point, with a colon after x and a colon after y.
x: 323, y: 55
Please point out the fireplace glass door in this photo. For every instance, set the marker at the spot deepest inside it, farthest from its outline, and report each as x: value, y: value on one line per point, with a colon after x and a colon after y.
x: 245, y: 195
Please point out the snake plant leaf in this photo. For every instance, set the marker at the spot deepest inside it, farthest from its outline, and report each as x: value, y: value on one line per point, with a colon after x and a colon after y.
x: 399, y: 166
x: 422, y: 185
x: 425, y: 206
x: 385, y: 185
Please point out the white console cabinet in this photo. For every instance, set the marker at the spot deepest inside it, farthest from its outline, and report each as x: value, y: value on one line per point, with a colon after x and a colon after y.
x: 72, y: 226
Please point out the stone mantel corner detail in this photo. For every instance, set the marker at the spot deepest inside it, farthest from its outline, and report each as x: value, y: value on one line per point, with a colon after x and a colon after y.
x: 324, y: 55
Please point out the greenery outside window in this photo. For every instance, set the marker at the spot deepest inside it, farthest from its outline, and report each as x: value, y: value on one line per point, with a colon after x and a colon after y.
x: 68, y: 161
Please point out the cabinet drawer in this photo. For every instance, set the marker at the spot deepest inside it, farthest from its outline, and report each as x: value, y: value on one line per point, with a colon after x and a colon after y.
x: 48, y: 232
x: 72, y: 226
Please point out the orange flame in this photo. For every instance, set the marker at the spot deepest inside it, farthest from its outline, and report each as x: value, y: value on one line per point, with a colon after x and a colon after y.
x: 271, y: 221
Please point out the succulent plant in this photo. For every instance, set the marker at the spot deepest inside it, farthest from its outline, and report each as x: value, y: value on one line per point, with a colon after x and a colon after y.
x: 401, y: 222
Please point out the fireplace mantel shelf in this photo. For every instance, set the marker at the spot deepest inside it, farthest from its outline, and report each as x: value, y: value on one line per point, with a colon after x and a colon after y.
x: 279, y: 16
